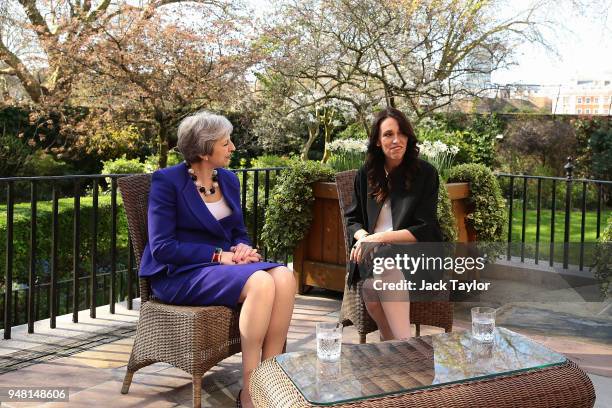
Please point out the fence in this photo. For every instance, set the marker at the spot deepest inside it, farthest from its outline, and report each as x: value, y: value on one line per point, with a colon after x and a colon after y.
x: 102, y: 251
x: 83, y: 261
x: 593, y: 198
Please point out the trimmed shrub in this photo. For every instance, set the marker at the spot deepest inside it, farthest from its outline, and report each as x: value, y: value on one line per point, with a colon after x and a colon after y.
x: 489, y: 217
x: 21, y: 237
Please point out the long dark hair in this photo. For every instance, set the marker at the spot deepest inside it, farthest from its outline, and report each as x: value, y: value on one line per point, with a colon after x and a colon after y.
x: 403, y: 174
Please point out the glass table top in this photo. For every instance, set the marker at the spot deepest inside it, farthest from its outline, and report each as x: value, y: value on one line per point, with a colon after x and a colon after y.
x: 377, y: 369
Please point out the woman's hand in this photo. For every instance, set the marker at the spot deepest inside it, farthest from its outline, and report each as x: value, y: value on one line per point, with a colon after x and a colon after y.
x: 357, y: 250
x: 226, y: 258
x: 244, y: 254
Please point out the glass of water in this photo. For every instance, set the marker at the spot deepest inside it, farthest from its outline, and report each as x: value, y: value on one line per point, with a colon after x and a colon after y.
x: 483, y: 324
x: 329, y: 341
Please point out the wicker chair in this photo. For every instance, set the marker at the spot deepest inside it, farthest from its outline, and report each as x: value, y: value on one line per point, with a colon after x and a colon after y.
x: 353, y: 310
x: 192, y: 338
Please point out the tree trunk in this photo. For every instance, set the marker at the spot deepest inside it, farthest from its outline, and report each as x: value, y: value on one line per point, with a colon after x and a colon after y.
x: 326, y: 153
x: 163, y: 145
x: 313, y: 132
x: 162, y: 137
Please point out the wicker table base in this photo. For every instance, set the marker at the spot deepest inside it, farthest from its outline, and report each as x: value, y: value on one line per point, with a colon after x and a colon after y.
x: 564, y: 385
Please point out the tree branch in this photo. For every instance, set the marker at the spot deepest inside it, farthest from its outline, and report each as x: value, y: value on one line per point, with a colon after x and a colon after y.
x: 35, y: 17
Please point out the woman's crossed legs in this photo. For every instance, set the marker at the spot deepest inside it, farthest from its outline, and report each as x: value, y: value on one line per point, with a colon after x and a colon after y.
x: 267, y: 305
x: 390, y: 309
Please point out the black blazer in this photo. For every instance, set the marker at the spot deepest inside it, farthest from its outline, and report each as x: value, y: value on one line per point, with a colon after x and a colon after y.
x: 414, y: 210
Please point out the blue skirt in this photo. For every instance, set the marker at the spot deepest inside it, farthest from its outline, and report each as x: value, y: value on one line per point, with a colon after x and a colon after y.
x: 215, y: 285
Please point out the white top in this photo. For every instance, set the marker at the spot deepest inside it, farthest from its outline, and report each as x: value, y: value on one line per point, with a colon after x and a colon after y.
x: 384, y: 222
x: 219, y: 209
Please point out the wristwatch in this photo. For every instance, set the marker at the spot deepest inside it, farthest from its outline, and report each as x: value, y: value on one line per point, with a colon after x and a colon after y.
x: 217, y: 255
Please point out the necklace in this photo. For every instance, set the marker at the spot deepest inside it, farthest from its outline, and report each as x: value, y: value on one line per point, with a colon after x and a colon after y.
x: 201, y: 188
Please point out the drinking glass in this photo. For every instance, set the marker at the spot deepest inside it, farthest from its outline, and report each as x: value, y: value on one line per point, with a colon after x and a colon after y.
x: 329, y: 341
x: 483, y: 324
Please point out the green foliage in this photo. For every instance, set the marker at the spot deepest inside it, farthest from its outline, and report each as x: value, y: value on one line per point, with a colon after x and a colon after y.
x: 40, y: 163
x: 109, y: 142
x: 341, y: 161
x: 446, y: 218
x: 353, y: 131
x: 152, y: 162
x: 21, y: 237
x: 270, y: 160
x: 489, y: 217
x: 123, y: 165
x: 13, y: 154
x: 289, y: 212
x: 600, y: 144
x: 602, y: 268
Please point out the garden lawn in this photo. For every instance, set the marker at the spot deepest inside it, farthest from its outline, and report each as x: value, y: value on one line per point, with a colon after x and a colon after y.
x: 590, y: 226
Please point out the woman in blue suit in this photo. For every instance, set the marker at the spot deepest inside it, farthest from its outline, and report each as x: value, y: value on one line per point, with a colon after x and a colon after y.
x: 199, y: 252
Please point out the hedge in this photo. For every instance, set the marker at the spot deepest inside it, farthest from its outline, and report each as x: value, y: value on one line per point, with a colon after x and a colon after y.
x: 21, y: 238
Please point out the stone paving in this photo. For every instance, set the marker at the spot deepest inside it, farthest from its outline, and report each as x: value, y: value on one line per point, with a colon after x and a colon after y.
x: 95, y: 374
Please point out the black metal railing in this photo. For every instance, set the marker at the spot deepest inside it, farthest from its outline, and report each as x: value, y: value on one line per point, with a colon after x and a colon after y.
x: 40, y: 255
x: 65, y: 269
x: 591, y: 200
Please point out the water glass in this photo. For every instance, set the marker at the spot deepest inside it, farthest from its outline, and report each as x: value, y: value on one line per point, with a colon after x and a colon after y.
x: 483, y: 324
x: 329, y: 341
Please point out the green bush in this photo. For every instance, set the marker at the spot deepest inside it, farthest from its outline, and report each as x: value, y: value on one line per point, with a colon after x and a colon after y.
x: 151, y: 162
x: 446, y: 218
x: 270, y: 160
x: 40, y: 163
x: 600, y: 145
x: 21, y: 237
x: 289, y: 212
x: 13, y: 154
x: 602, y: 268
x: 123, y: 165
x: 353, y: 131
x: 489, y: 217
x: 110, y: 142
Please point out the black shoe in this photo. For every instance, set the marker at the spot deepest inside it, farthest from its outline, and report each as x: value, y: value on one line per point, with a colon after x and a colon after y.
x: 238, y: 403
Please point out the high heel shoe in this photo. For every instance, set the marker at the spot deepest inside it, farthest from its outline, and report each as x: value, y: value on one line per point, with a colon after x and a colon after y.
x: 238, y: 403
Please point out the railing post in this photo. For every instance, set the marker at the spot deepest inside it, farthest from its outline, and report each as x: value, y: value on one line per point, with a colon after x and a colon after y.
x: 76, y: 253
x: 93, y: 281
x: 509, y: 254
x: 8, y: 278
x: 33, y: 244
x: 113, y: 244
x: 569, y: 168
x: 54, y: 247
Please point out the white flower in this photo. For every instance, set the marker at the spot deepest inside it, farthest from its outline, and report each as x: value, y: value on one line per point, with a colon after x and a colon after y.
x: 337, y: 123
x: 454, y: 149
x: 499, y: 136
x: 348, y: 145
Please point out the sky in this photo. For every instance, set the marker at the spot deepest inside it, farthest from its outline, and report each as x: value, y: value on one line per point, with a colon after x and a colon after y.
x: 582, y: 43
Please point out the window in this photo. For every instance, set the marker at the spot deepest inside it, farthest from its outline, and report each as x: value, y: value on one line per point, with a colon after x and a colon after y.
x: 579, y: 100
x: 607, y: 111
x: 579, y: 110
x: 587, y: 110
x: 595, y: 100
x: 588, y: 100
x: 595, y: 111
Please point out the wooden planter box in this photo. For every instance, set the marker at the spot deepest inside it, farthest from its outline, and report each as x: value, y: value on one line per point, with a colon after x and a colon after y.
x: 320, y: 258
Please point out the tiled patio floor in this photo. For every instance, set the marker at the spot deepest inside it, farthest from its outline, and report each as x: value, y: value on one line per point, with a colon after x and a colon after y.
x: 95, y: 353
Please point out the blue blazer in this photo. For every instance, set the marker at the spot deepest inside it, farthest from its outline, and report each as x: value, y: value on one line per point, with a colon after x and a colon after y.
x: 183, y: 234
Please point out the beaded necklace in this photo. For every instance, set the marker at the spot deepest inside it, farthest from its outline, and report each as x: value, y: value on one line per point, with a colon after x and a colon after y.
x: 201, y: 188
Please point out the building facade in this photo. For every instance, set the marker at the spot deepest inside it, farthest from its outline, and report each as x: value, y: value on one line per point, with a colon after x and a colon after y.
x: 584, y: 97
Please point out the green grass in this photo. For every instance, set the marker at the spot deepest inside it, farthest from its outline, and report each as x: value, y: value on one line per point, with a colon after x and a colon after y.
x: 590, y: 226
x: 590, y: 233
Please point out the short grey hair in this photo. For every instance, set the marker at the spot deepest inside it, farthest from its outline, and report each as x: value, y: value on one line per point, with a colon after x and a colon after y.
x: 198, y: 133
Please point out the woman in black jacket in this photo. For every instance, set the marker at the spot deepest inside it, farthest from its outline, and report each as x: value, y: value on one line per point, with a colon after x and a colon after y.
x: 394, y: 202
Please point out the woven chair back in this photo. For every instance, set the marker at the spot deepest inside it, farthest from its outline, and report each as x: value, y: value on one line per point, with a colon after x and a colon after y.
x: 345, y: 182
x: 135, y: 194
